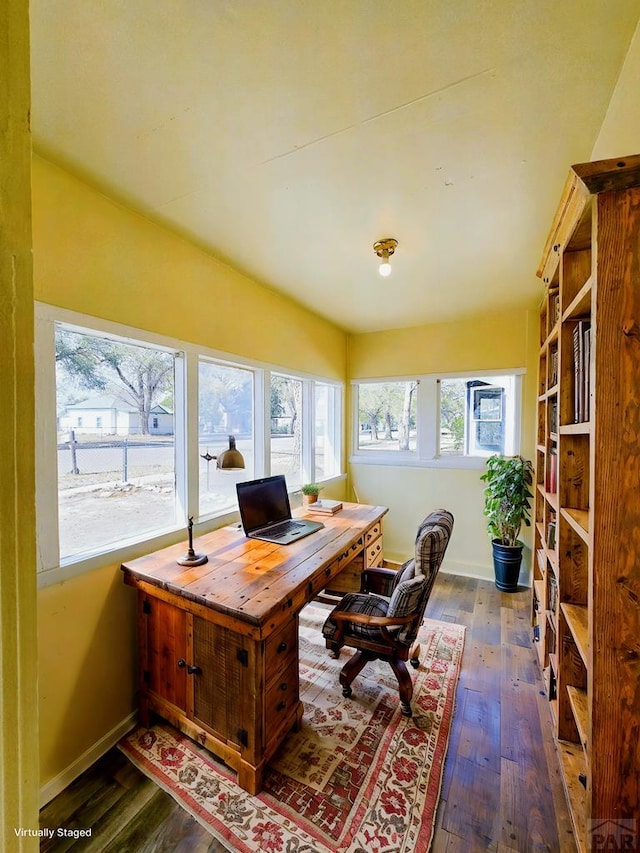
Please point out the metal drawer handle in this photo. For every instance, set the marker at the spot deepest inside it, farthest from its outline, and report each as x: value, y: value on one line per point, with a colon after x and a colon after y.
x: 283, y: 686
x: 281, y: 706
x: 191, y: 670
x: 283, y: 647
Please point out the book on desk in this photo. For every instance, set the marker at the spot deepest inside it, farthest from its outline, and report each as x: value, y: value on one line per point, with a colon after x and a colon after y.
x: 325, y: 507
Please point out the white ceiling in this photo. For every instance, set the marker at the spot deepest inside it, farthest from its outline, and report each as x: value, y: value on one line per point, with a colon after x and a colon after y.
x: 286, y: 136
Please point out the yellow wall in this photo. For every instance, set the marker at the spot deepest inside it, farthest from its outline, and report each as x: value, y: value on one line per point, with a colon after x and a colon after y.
x: 93, y: 256
x: 18, y: 658
x: 508, y: 340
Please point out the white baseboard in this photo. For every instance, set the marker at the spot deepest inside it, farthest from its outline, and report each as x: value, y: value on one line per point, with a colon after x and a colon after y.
x: 54, y: 786
x: 478, y: 571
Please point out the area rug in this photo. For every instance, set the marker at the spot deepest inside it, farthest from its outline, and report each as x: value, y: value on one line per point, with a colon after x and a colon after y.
x: 358, y: 777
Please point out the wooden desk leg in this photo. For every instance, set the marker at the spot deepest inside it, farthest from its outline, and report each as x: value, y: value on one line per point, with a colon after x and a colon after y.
x: 250, y: 778
x: 299, y: 714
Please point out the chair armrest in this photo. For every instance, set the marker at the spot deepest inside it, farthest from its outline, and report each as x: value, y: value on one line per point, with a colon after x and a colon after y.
x: 378, y: 580
x: 382, y: 623
x: 372, y: 621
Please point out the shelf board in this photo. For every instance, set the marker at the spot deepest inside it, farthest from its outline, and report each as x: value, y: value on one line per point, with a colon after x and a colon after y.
x: 579, y: 701
x: 583, y: 428
x: 580, y: 305
x: 551, y: 338
x: 541, y: 448
x: 578, y: 519
x: 573, y: 763
x: 539, y: 588
x: 577, y: 617
x: 550, y: 497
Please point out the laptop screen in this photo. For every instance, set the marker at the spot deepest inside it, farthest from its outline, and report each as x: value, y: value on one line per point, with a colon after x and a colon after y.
x: 263, y: 502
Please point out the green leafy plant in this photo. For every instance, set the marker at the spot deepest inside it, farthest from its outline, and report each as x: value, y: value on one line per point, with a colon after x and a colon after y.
x: 310, y: 489
x: 506, y: 497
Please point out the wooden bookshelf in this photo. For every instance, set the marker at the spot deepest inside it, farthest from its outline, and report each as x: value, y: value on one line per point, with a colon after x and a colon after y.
x: 586, y: 509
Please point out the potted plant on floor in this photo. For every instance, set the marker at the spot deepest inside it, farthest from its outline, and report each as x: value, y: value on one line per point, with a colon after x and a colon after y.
x: 506, y: 506
x: 310, y: 492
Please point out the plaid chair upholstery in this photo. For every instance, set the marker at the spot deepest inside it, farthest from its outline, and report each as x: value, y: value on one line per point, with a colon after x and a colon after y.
x: 407, y: 596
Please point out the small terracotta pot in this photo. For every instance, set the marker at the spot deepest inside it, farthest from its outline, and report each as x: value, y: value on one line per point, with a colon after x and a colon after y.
x: 309, y: 499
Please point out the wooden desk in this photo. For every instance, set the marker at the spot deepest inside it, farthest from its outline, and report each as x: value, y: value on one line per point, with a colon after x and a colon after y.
x: 219, y: 642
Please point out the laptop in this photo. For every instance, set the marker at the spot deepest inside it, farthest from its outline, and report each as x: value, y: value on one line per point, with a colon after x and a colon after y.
x: 265, y: 512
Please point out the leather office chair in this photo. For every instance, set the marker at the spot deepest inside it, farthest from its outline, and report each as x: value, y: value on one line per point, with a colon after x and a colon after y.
x: 382, y: 621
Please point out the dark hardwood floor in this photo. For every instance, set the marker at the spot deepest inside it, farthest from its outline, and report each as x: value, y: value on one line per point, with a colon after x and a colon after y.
x: 501, y: 789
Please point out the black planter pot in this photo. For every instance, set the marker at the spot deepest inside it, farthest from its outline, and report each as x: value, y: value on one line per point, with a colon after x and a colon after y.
x: 506, y: 565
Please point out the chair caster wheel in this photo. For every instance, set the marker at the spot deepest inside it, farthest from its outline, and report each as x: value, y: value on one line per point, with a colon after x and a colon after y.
x: 406, y: 710
x: 346, y: 692
x: 415, y: 663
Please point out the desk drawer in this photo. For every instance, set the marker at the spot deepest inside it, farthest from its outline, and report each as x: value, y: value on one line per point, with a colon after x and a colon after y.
x: 373, y: 553
x: 281, y: 649
x: 351, y: 553
x: 281, y: 699
x: 373, y: 533
x: 349, y: 579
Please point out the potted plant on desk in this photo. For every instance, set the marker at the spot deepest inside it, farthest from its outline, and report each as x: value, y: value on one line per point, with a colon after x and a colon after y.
x: 310, y: 492
x: 506, y: 506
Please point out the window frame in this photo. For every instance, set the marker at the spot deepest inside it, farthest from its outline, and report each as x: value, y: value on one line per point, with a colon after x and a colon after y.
x: 50, y: 568
x: 427, y: 453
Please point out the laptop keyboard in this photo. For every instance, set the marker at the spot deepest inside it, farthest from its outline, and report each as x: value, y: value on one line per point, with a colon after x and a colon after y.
x: 279, y: 531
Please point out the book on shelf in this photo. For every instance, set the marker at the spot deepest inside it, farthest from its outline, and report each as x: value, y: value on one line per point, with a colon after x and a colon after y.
x: 553, y: 593
x: 553, y: 416
x: 551, y: 535
x: 581, y: 372
x: 553, y: 374
x: 325, y: 507
x: 551, y: 484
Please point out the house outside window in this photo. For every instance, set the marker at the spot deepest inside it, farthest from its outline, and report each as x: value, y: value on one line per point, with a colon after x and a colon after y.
x: 109, y: 492
x: 164, y: 410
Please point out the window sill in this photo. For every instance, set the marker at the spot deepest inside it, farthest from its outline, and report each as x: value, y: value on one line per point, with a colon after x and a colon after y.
x: 472, y: 463
x: 122, y: 551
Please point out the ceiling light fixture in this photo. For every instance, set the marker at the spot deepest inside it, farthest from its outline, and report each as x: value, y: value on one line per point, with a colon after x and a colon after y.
x: 384, y: 249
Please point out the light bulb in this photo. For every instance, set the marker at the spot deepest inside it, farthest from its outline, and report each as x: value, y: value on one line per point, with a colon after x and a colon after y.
x: 385, y: 268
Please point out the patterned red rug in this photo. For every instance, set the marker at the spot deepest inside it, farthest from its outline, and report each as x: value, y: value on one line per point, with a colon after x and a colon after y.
x: 358, y: 776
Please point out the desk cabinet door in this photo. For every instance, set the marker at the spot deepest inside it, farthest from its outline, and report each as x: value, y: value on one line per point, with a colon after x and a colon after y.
x: 224, y: 696
x: 164, y: 647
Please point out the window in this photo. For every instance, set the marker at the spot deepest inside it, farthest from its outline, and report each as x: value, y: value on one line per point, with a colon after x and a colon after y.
x: 453, y: 421
x: 326, y: 441
x: 124, y: 484
x: 387, y: 416
x: 287, y: 429
x: 225, y: 410
x: 478, y: 416
x: 130, y: 426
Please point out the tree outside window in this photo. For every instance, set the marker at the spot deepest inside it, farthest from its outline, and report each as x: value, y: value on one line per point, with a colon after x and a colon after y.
x: 387, y: 416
